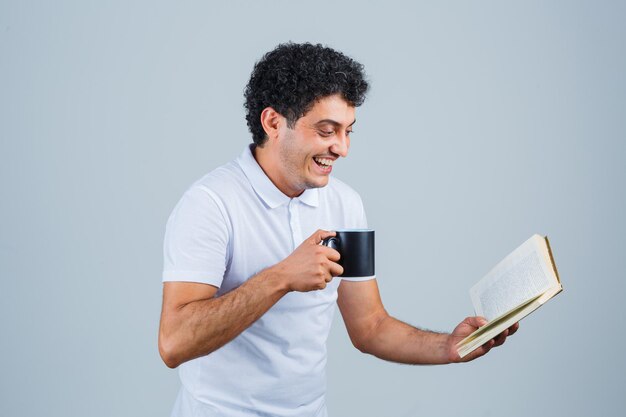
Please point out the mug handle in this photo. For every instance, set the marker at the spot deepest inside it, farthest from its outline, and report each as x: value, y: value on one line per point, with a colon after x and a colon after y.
x: 331, y: 242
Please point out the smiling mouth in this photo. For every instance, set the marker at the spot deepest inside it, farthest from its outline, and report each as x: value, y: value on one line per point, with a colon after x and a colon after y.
x: 325, y: 163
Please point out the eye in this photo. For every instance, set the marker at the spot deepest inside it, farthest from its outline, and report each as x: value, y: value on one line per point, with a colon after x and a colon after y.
x: 326, y: 133
x: 349, y: 132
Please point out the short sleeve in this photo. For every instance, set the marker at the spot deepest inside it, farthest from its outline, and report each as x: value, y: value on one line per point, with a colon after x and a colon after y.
x: 362, y: 218
x: 195, y: 248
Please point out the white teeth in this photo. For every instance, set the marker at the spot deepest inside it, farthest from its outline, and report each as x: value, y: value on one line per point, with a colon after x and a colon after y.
x: 324, y: 161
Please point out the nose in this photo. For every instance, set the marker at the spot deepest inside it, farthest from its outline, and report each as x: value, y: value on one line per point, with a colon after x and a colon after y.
x: 340, y: 145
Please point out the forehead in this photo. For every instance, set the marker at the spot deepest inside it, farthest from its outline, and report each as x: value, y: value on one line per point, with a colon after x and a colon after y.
x: 330, y: 108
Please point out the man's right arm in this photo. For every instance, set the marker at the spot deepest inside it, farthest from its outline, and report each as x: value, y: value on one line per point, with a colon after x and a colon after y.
x: 194, y: 322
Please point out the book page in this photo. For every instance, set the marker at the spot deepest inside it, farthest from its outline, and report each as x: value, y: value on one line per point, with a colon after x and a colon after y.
x: 521, y: 276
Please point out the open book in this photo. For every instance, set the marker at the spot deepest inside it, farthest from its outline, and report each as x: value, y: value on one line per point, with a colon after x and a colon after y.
x: 517, y: 286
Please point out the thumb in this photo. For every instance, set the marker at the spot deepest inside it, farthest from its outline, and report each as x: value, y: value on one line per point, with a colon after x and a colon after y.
x: 476, y: 321
x: 319, y: 235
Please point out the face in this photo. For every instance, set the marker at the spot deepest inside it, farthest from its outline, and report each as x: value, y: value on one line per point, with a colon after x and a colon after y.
x: 308, y: 151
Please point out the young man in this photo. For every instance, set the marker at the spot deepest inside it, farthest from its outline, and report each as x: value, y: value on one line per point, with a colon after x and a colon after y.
x: 249, y: 293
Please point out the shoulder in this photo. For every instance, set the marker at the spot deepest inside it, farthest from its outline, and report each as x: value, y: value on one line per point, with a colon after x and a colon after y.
x: 345, y: 204
x: 211, y: 194
x: 221, y: 181
x: 224, y: 186
x: 342, y: 191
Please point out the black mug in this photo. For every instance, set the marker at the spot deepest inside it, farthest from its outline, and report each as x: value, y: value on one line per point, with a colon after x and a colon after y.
x: 356, y: 247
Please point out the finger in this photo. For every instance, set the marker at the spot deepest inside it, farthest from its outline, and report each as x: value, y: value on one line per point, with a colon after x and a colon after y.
x: 319, y: 235
x: 332, y: 254
x: 335, y: 269
x: 487, y: 346
x: 499, y: 339
x: 484, y: 349
x: 513, y: 328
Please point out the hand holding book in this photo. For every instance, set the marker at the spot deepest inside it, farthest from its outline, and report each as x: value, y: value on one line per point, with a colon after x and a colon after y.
x: 522, y: 282
x: 469, y: 326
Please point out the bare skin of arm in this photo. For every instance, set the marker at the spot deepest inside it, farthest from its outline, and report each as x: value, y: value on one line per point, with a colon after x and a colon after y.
x: 195, y: 323
x: 372, y: 330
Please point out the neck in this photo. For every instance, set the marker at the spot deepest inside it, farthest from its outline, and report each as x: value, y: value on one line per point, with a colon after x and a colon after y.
x: 270, y: 164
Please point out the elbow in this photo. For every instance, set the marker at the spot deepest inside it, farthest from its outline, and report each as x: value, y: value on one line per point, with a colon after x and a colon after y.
x: 168, y: 352
x: 169, y: 360
x: 368, y: 339
x: 361, y: 345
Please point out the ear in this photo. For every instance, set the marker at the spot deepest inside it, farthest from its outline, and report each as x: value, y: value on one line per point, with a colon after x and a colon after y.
x: 271, y: 121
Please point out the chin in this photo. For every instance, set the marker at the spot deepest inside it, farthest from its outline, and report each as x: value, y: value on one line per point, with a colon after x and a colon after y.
x: 319, y: 183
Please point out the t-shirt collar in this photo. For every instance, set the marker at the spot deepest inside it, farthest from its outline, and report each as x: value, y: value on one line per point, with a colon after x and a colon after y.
x: 265, y: 188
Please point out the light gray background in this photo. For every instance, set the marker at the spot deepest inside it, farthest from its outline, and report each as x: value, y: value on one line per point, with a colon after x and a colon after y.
x: 487, y: 122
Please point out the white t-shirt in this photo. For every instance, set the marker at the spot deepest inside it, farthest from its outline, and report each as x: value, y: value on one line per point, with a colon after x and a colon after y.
x: 228, y: 226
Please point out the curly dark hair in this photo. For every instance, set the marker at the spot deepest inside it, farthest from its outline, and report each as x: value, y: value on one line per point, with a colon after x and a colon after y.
x: 292, y: 77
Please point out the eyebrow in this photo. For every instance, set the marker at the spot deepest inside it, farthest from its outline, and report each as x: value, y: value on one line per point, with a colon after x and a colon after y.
x: 332, y: 122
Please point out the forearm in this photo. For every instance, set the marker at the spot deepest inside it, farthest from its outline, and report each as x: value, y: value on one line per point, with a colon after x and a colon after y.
x: 203, y: 326
x: 194, y: 323
x: 397, y: 341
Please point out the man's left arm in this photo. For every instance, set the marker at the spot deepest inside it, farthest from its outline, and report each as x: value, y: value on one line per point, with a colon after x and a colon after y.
x: 372, y: 330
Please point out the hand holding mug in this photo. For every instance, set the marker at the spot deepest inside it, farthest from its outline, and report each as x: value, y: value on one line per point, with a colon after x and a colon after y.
x: 311, y: 266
